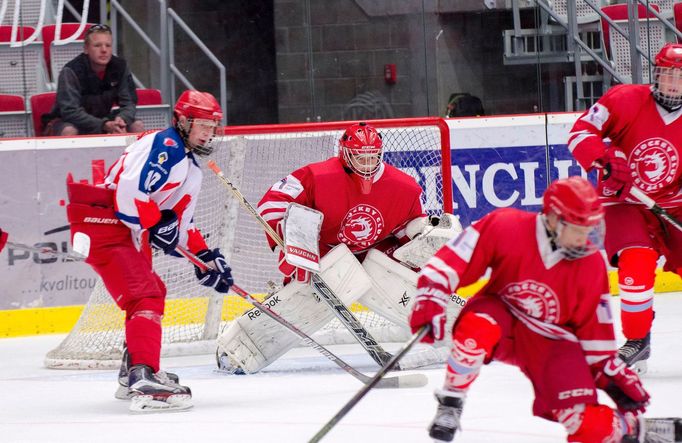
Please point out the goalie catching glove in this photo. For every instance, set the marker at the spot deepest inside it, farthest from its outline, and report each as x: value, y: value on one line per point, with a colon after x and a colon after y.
x: 219, y: 278
x: 622, y: 384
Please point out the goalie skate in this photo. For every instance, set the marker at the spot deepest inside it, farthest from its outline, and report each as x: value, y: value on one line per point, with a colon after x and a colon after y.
x: 151, y: 394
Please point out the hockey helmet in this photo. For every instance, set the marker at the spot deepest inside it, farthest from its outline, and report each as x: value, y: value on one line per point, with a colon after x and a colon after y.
x: 667, y: 87
x: 360, y: 150
x: 579, y: 230
x: 202, y: 116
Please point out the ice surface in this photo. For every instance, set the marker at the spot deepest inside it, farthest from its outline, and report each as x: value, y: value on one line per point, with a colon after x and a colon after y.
x: 293, y: 398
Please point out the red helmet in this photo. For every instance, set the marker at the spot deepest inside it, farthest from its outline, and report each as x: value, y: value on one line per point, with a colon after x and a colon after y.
x: 574, y: 200
x: 358, y: 144
x: 667, y: 88
x: 197, y: 104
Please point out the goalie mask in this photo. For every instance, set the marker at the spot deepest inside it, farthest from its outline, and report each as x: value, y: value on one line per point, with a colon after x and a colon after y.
x: 574, y: 217
x: 360, y: 151
x: 197, y: 117
x: 667, y: 87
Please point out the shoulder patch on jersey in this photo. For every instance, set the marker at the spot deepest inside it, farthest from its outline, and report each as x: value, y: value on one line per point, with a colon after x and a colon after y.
x: 170, y: 142
x: 289, y: 185
x: 604, y: 310
x: 464, y: 244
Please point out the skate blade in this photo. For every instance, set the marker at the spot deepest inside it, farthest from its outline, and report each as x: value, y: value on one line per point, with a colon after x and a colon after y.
x: 640, y: 367
x: 146, y: 404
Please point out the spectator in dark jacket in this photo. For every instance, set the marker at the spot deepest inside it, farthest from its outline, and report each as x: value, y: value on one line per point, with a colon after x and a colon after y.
x: 87, y: 89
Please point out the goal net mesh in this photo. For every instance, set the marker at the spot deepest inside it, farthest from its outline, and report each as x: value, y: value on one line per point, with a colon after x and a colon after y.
x: 254, y: 158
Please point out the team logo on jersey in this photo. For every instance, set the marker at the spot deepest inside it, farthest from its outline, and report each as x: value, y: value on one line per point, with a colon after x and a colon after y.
x: 162, y: 158
x: 655, y: 163
x: 361, y: 226
x: 534, y: 299
x: 169, y: 142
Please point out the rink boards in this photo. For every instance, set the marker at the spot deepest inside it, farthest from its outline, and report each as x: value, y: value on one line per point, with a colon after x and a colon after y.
x: 496, y: 162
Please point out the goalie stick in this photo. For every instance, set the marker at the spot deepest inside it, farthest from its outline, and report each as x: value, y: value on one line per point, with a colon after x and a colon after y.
x: 651, y: 204
x: 376, y: 380
x: 378, y: 354
x: 400, y: 381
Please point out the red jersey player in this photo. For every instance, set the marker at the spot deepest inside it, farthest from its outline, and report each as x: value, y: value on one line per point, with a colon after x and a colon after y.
x: 148, y: 199
x: 368, y: 207
x: 645, y: 128
x: 366, y: 203
x: 545, y: 310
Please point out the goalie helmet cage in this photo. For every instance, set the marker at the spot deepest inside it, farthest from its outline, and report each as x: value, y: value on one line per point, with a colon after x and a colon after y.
x: 254, y: 158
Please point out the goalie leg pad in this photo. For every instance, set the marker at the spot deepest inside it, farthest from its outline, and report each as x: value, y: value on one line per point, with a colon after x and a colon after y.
x: 393, y: 287
x: 255, y: 340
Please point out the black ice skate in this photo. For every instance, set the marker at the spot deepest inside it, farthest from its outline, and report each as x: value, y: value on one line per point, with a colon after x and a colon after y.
x: 662, y: 430
x: 636, y: 352
x: 656, y: 430
x: 122, y: 392
x: 149, y: 393
x: 446, y: 421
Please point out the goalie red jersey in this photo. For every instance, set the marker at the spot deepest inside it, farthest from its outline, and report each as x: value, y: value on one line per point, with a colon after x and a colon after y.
x: 552, y: 296
x: 649, y: 135
x: 352, y: 217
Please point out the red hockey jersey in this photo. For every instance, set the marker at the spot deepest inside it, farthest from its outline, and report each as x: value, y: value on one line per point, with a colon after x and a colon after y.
x: 358, y: 220
x: 552, y: 296
x: 649, y: 135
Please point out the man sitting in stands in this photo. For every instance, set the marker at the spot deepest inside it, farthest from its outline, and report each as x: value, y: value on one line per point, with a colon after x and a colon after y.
x: 87, y: 89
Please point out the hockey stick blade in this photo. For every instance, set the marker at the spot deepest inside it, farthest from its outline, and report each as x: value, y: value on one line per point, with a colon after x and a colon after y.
x: 73, y: 256
x: 342, y: 313
x: 374, y: 382
x: 401, y: 381
x: 654, y: 207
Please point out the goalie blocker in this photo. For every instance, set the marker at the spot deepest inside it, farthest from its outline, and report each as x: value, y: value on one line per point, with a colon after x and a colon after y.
x: 383, y: 285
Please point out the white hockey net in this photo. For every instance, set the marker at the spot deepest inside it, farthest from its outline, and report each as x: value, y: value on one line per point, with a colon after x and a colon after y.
x: 254, y: 158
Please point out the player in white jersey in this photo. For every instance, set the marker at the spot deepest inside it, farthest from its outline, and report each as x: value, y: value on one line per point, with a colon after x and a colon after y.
x: 545, y: 309
x: 148, y: 201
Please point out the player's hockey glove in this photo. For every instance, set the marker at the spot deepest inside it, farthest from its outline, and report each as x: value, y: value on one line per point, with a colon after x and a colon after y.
x: 429, y: 308
x: 290, y: 271
x: 616, y: 177
x: 165, y: 234
x: 219, y: 278
x: 622, y: 384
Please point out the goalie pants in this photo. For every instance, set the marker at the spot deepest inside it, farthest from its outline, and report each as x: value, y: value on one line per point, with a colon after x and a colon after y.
x: 126, y: 271
x: 557, y: 369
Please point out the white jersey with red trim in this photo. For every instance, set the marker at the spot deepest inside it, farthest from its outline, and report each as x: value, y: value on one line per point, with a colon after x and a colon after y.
x: 554, y: 297
x: 155, y: 173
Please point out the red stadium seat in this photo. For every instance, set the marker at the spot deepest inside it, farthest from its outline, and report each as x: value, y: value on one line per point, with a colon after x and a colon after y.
x: 149, y: 97
x: 6, y: 33
x: 11, y: 103
x: 41, y: 104
x: 620, y: 12
x: 677, y: 15
x: 48, y: 33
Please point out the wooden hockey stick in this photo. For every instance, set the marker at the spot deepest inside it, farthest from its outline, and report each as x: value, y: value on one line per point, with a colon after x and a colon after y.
x: 376, y: 380
x: 344, y: 315
x: 400, y: 381
x: 651, y: 204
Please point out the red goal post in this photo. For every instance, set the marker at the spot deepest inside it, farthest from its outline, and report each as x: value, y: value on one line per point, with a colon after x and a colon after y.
x: 254, y: 158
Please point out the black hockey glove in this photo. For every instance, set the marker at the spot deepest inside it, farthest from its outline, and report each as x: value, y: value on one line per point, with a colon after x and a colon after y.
x: 219, y: 278
x: 165, y: 234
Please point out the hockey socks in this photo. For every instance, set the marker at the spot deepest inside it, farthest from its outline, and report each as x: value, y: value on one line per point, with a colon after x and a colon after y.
x: 636, y: 274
